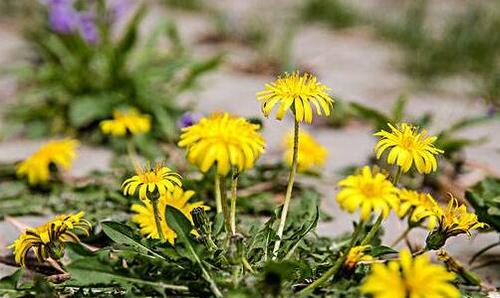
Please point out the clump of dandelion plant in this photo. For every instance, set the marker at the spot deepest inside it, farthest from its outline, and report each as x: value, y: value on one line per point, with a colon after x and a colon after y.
x: 294, y: 93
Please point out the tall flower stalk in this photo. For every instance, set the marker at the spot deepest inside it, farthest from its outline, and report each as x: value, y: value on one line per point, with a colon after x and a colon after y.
x: 234, y: 189
x: 295, y: 93
x: 289, y: 188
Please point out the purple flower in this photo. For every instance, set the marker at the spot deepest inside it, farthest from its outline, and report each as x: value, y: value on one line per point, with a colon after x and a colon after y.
x: 88, y: 27
x: 491, y: 111
x: 188, y: 119
x: 62, y: 16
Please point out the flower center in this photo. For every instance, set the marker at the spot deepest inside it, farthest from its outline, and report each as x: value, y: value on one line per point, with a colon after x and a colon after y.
x: 408, y: 142
x: 150, y: 177
x: 369, y: 189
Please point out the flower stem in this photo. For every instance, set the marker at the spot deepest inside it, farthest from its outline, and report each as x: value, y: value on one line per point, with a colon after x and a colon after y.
x: 218, y: 196
x: 373, y: 231
x: 157, y: 219
x: 337, y: 266
x: 220, y: 199
x: 397, y: 176
x: 402, y: 236
x: 234, y: 186
x: 225, y: 210
x: 288, y: 194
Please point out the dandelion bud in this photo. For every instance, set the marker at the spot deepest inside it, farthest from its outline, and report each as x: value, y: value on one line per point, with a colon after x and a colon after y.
x: 56, y: 250
x: 201, y: 222
x: 436, y: 239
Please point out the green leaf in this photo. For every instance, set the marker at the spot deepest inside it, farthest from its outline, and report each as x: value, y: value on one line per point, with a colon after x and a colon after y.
x: 382, y: 250
x: 485, y: 198
x: 130, y: 36
x: 86, y: 110
x: 91, y: 271
x: 378, y: 119
x: 123, y: 234
x: 399, y: 108
x: 180, y: 224
x: 10, y: 282
x: 183, y: 227
x: 306, y: 213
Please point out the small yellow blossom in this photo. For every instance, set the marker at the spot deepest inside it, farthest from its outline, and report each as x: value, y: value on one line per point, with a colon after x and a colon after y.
x: 410, y: 277
x: 152, y: 183
x: 368, y: 191
x: 48, y: 239
x: 36, y: 167
x: 356, y: 255
x: 297, y: 92
x: 130, y: 121
x: 418, y: 206
x: 311, y: 153
x: 222, y: 140
x: 455, y: 219
x: 407, y: 146
x: 144, y: 216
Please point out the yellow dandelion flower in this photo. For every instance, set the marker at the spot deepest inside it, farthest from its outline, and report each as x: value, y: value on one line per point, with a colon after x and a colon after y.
x: 408, y: 145
x: 48, y: 239
x: 222, y: 140
x: 298, y: 92
x: 410, y: 277
x: 368, y: 191
x: 151, y: 183
x: 455, y: 219
x: 130, y: 121
x: 144, y: 216
x: 36, y: 167
x: 311, y: 153
x: 418, y: 206
x: 356, y: 255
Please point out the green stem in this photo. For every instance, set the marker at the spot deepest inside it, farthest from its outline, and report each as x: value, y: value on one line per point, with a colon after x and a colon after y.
x: 234, y: 186
x: 373, y: 231
x: 206, y: 275
x: 336, y: 267
x: 402, y: 236
x: 157, y: 219
x: 288, y: 194
x: 397, y: 176
x: 247, y: 265
x: 225, y: 210
x: 218, y: 196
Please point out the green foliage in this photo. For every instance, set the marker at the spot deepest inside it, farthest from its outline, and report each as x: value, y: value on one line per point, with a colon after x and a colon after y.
x: 485, y: 198
x: 75, y: 84
x: 123, y: 234
x: 193, y: 5
x: 98, y: 195
x: 336, y: 13
x: 468, y: 44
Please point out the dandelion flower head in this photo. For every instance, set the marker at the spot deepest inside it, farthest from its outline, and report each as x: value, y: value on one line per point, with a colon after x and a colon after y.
x: 297, y: 92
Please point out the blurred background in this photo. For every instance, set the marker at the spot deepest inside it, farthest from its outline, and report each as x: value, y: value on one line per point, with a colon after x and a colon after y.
x: 66, y: 65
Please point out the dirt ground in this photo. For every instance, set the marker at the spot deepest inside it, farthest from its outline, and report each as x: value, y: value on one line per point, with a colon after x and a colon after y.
x: 352, y: 62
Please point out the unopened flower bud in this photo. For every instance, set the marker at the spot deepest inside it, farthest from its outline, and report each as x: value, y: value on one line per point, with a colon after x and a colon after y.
x: 436, y: 239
